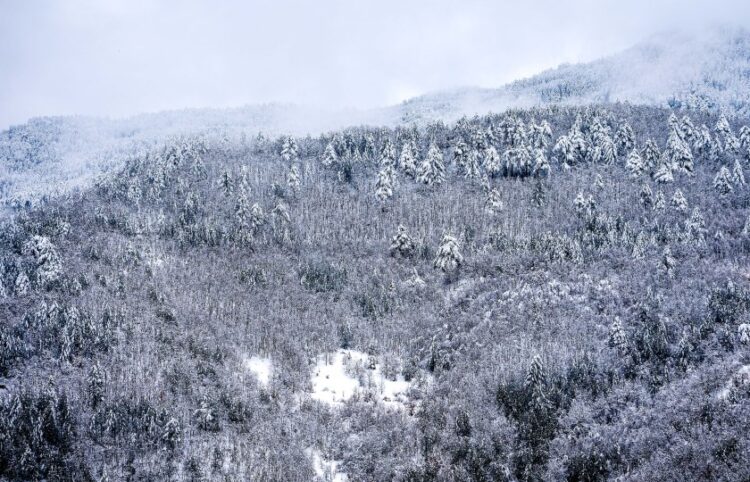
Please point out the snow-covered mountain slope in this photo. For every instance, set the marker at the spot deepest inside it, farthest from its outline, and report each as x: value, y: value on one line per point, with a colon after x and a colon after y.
x: 705, y: 71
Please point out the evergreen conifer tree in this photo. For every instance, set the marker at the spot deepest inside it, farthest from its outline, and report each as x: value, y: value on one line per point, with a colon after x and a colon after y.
x: 679, y: 202
x: 494, y: 203
x: 738, y: 176
x: 329, y: 155
x: 492, y: 162
x: 723, y: 182
x: 635, y: 164
x: 663, y: 174
x: 402, y: 244
x: 293, y: 178
x: 541, y: 164
x: 431, y: 170
x: 407, y: 160
x: 624, y: 139
x: 289, y: 150
x: 617, y: 337
x: 384, y: 185
x: 651, y: 154
x: 536, y: 381
x: 448, y: 258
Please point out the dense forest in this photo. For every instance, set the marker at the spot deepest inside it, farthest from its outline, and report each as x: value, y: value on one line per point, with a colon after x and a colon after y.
x: 560, y: 293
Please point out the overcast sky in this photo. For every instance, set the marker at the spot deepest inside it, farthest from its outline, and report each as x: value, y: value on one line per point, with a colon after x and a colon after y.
x: 121, y: 57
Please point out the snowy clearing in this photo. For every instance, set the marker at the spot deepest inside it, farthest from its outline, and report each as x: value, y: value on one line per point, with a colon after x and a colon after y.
x: 341, y: 375
x: 261, y: 368
x: 326, y: 470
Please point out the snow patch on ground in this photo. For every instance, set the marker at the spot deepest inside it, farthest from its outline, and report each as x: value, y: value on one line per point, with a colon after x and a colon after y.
x: 261, y: 368
x: 739, y: 381
x: 325, y: 469
x: 339, y: 376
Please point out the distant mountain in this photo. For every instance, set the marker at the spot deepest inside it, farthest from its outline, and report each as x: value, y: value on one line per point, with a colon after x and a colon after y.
x: 705, y: 71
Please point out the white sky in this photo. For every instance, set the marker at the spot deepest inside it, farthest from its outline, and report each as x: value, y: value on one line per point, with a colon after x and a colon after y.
x: 121, y: 57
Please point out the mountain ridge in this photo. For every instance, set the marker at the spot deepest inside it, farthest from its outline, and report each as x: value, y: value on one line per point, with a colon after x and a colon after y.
x: 709, y: 70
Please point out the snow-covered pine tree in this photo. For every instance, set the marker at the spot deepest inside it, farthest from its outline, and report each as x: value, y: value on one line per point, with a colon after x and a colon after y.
x: 384, y: 184
x: 472, y: 165
x: 289, y: 150
x: 492, y: 161
x: 293, y: 178
x: 723, y: 181
x: 584, y: 206
x: 545, y: 133
x: 368, y: 150
x: 746, y: 227
x: 407, y: 161
x: 536, y: 382
x: 687, y: 129
x: 678, y: 201
x: 494, y: 202
x: 695, y: 227
x: 598, y: 181
x: 743, y: 333
x: 244, y: 180
x: 460, y: 153
x: 538, y: 195
x: 243, y: 215
x: 449, y: 257
x: 731, y: 145
x: 745, y: 142
x: 702, y: 140
x: 517, y: 133
x: 678, y: 152
x: 617, y: 337
x: 646, y: 196
x: 226, y: 182
x: 329, y: 155
x: 281, y: 221
x: 564, y: 148
x: 578, y: 141
x: 738, y: 176
x: 388, y: 154
x: 402, y: 244
x: 540, y: 135
x: 257, y: 217
x: 432, y: 170
x: 722, y: 127
x: 542, y: 167
x: 639, y: 245
x: 624, y: 139
x: 668, y: 261
x: 663, y: 173
x: 651, y: 154
x: 635, y: 164
x: 95, y: 385
x: 517, y: 162
x: 22, y: 284
x: 48, y: 262
x: 659, y: 201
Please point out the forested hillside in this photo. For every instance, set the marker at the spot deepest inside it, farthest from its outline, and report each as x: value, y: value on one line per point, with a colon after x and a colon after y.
x: 560, y: 293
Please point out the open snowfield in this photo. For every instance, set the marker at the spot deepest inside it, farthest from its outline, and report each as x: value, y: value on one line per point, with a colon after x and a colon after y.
x: 346, y: 374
